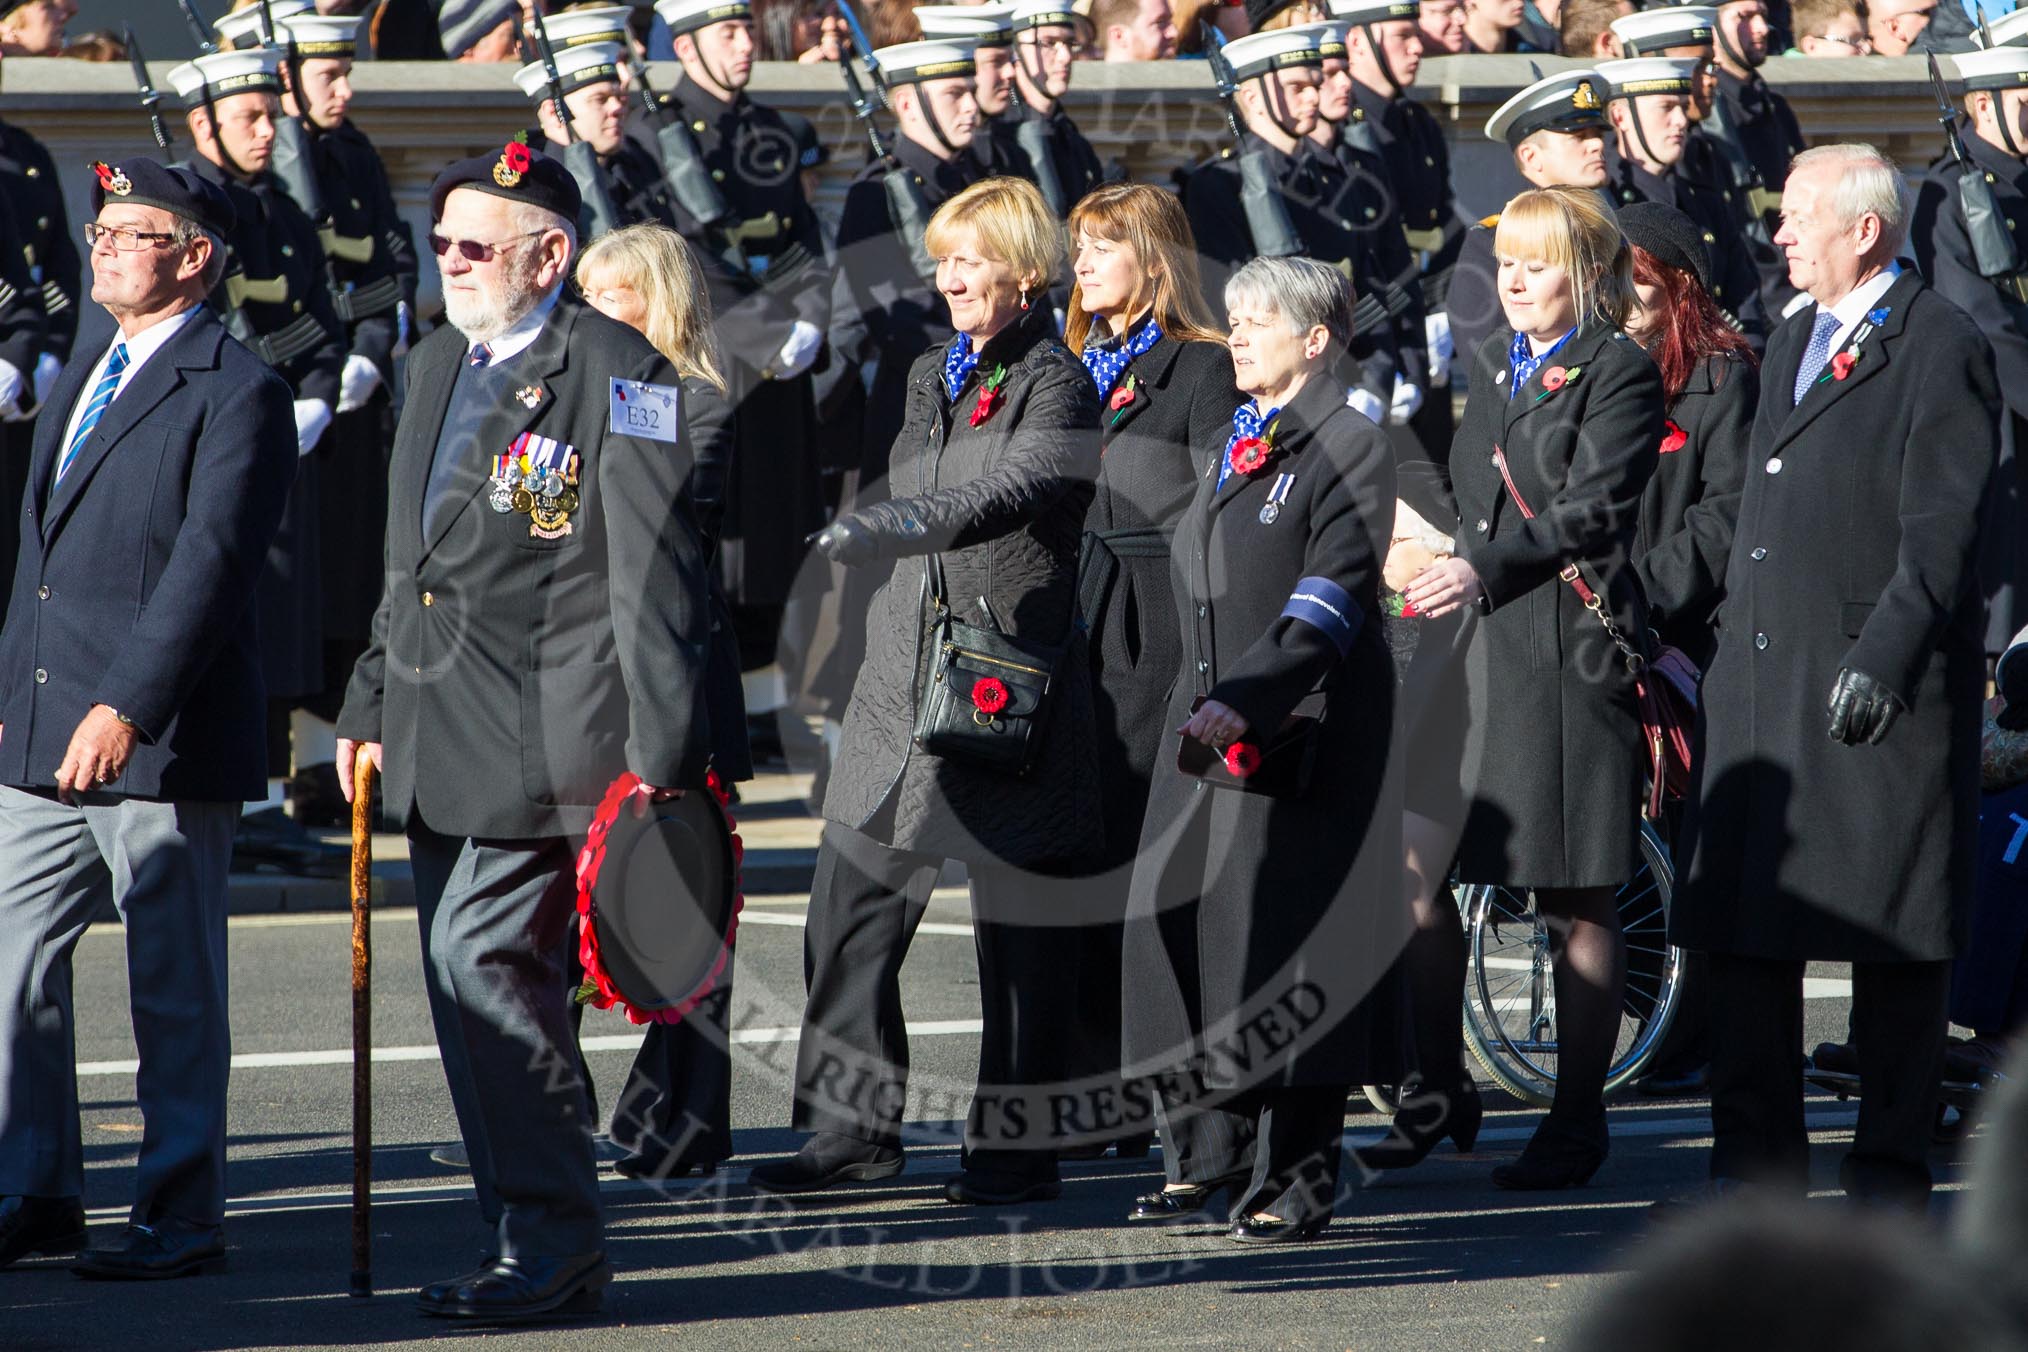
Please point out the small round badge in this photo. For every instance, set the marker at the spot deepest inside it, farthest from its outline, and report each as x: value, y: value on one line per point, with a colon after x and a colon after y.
x: 1269, y: 513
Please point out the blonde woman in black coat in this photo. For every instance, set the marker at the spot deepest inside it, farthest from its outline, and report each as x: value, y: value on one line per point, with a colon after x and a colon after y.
x: 1565, y: 415
x: 1164, y: 381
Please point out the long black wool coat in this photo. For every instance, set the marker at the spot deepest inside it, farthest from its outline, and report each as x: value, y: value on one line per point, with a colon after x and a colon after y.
x: 1262, y: 931
x: 1005, y: 503
x: 1552, y: 756
x: 1857, y: 545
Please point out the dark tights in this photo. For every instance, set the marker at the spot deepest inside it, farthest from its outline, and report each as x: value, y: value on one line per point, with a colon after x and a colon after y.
x: 1436, y: 955
x: 1590, y: 954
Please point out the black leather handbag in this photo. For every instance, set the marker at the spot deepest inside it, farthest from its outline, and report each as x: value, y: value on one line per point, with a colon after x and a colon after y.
x: 985, y: 695
x: 1284, y: 764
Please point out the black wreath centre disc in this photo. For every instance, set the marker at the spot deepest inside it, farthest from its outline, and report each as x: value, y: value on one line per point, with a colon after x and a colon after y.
x: 665, y: 900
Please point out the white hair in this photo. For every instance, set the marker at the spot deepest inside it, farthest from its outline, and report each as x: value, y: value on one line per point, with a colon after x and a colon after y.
x: 1868, y: 183
x: 1304, y: 292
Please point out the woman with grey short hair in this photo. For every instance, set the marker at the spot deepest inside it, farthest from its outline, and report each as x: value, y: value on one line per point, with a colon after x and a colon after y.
x: 1266, y: 908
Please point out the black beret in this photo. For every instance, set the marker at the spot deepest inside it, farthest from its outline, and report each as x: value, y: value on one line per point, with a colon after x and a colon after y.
x: 1670, y: 236
x: 177, y: 191
x: 1259, y: 12
x: 515, y: 172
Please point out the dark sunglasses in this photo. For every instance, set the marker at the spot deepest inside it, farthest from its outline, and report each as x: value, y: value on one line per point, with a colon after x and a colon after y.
x: 472, y: 250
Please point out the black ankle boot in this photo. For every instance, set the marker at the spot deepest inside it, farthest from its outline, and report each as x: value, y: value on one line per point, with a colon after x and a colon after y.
x: 1425, y: 1117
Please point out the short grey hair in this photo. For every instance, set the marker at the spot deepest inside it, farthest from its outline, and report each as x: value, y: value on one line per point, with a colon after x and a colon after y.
x: 1304, y: 292
x: 187, y: 233
x: 526, y: 218
x: 1868, y: 183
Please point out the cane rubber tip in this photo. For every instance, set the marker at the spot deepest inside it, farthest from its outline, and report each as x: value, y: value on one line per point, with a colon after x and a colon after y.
x: 362, y: 1284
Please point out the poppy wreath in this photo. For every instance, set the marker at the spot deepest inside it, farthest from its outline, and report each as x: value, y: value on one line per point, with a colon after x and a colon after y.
x: 1242, y: 759
x: 1674, y: 438
x: 989, y: 396
x: 989, y: 695
x: 598, y: 989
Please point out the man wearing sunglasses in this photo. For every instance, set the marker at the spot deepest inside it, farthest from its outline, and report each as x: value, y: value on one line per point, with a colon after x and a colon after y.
x: 132, y: 719
x: 276, y: 299
x: 542, y: 630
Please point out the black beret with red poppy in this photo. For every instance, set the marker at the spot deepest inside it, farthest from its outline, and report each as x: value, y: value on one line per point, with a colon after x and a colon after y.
x: 515, y: 172
x: 180, y: 192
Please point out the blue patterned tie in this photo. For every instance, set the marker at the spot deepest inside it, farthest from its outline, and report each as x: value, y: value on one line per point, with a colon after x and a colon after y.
x: 102, y: 399
x: 1816, y: 354
x: 481, y: 355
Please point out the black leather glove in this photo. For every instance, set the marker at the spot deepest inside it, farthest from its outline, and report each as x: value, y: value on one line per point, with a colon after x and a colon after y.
x: 1862, y: 709
x: 846, y: 541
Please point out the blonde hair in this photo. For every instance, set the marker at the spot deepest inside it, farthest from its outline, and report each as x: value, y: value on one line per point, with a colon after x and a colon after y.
x: 1569, y: 228
x: 1300, y: 13
x: 654, y: 261
x: 1013, y: 225
x: 1151, y: 222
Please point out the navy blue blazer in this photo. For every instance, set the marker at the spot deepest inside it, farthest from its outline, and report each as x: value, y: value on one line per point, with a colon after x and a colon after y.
x: 135, y: 581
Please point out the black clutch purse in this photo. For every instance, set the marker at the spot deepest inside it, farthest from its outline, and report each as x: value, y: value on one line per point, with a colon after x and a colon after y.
x: 1279, y: 769
x: 985, y: 694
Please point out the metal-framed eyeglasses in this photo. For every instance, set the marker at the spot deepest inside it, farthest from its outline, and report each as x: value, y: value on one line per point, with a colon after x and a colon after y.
x: 125, y: 238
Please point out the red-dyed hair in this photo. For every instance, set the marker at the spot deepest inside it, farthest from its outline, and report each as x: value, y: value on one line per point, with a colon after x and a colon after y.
x: 1693, y: 331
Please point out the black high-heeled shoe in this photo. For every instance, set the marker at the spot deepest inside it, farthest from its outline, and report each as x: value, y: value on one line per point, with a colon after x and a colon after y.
x: 1424, y: 1118
x: 1553, y: 1158
x: 1169, y: 1203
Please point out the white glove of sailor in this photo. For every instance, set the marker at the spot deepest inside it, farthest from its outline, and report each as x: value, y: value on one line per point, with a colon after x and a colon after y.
x: 1436, y: 330
x: 1368, y: 403
x: 1407, y: 399
x: 12, y: 388
x: 804, y: 342
x: 360, y: 379
x: 313, y: 416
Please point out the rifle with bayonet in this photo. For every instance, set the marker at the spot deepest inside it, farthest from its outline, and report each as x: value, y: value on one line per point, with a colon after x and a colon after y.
x: 151, y: 102
x: 906, y: 205
x: 682, y: 160
x: 1993, y: 251
x: 231, y: 294
x: 578, y: 156
x: 1260, y: 196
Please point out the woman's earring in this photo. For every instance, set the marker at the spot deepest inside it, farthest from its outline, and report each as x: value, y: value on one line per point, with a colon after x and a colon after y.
x: 1024, y: 297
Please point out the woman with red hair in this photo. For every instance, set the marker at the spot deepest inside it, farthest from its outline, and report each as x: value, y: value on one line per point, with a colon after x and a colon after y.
x: 1710, y: 387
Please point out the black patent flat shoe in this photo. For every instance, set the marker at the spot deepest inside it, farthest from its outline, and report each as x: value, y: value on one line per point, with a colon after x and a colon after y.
x: 1275, y: 1230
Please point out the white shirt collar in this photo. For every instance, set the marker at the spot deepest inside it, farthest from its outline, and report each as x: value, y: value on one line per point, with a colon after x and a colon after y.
x: 522, y: 333
x: 1860, y: 301
x: 150, y: 340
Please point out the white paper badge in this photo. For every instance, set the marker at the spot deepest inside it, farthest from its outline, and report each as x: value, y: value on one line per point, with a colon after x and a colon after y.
x: 644, y: 410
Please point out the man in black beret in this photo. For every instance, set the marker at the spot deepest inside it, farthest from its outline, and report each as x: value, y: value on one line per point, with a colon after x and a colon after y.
x: 543, y: 630
x: 130, y: 666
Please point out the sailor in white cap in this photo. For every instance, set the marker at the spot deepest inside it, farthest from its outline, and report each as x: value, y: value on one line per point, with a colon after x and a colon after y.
x: 1277, y: 77
x: 1685, y: 31
x: 1648, y: 102
x: 1556, y: 129
x: 1985, y: 274
x: 2009, y: 30
x: 990, y: 30
x: 595, y: 100
x: 372, y: 275
x: 277, y: 298
x: 1035, y: 133
x: 247, y: 28
x: 1745, y: 142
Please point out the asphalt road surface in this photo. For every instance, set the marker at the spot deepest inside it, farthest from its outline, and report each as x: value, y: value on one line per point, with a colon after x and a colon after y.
x: 1434, y: 1258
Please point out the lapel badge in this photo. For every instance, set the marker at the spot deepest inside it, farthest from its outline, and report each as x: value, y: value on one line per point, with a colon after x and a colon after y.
x: 529, y: 395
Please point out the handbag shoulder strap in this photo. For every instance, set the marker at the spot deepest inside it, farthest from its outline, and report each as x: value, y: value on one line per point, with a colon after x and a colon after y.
x: 1571, y: 574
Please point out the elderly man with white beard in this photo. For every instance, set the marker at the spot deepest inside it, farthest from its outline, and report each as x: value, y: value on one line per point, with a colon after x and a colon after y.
x: 542, y: 632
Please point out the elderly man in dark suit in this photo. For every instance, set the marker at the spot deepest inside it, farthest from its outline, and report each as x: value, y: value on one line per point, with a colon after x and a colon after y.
x: 543, y: 630
x: 131, y: 710
x: 1852, y: 609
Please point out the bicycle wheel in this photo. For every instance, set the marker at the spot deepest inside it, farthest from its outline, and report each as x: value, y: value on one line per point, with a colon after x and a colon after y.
x: 1510, y: 996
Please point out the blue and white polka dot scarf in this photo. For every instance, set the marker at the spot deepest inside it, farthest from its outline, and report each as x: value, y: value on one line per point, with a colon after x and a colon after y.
x: 959, y: 360
x: 1107, y: 359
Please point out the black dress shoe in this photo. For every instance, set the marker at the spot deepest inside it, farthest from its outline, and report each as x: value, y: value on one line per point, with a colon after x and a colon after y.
x: 826, y: 1160
x: 149, y: 1253
x: 1275, y: 1230
x: 1186, y: 1200
x: 1553, y: 1158
x: 1688, y: 1083
x: 436, y: 1293
x: 640, y: 1166
x: 990, y: 1187
x: 40, y: 1225
x: 523, y: 1290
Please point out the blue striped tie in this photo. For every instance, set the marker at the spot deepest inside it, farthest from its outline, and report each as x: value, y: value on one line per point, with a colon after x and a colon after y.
x: 102, y: 399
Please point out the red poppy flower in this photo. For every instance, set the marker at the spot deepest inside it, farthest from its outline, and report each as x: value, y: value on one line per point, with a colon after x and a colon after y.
x: 1675, y: 439
x: 1408, y: 610
x: 518, y: 157
x: 1249, y: 454
x: 1841, y: 365
x: 1242, y: 759
x: 1122, y: 396
x: 1553, y: 378
x: 104, y: 171
x: 989, y: 696
x: 989, y: 399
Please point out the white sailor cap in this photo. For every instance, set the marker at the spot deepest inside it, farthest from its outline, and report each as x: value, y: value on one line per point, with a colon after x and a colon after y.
x: 687, y: 16
x: 1372, y: 11
x: 226, y: 73
x: 1568, y: 101
x: 588, y: 63
x: 2009, y: 30
x: 2000, y: 68
x: 1256, y: 54
x: 575, y: 27
x: 1656, y: 30
x: 1030, y: 14
x: 248, y: 27
x: 324, y: 36
x: 1330, y: 38
x: 913, y: 62
x: 1648, y: 75
x: 986, y: 25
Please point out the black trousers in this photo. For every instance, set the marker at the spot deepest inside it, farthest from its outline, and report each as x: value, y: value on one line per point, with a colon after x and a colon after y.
x: 675, y: 1109
x: 852, y: 1063
x: 1287, y: 1142
x: 1899, y: 1022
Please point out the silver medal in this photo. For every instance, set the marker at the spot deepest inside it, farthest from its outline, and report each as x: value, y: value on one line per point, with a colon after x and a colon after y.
x: 552, y: 485
x: 501, y: 498
x: 1269, y: 512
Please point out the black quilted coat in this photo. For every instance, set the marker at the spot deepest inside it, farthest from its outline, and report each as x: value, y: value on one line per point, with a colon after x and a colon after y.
x: 1005, y: 502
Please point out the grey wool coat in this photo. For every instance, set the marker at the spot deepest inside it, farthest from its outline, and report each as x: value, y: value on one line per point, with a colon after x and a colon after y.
x: 1004, y: 502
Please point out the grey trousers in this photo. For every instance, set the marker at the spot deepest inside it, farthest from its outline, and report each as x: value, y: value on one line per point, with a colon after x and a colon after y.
x: 495, y: 916
x: 164, y: 865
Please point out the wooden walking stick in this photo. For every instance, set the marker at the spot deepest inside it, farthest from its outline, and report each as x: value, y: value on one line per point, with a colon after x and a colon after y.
x: 362, y: 1027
